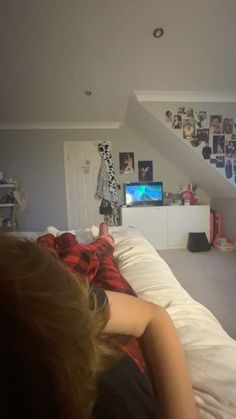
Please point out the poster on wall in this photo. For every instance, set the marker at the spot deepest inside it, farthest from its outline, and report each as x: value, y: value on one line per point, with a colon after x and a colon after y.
x: 168, y: 115
x: 189, y: 129
x: 218, y: 144
x: 126, y: 161
x: 182, y: 110
x: 232, y: 145
x: 145, y: 170
x: 195, y: 142
x: 177, y: 122
x: 201, y: 119
x: 228, y: 169
x: 190, y: 113
x: 227, y: 126
x: 215, y: 124
x: 229, y: 148
x: 203, y: 134
x: 206, y: 152
x: 220, y: 161
x: 234, y: 166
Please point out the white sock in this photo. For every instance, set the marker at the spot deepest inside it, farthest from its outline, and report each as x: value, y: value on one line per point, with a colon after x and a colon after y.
x: 72, y: 231
x: 94, y: 231
x: 53, y: 230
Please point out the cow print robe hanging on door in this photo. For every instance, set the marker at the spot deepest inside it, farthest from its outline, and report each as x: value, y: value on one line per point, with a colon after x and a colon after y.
x: 107, y: 184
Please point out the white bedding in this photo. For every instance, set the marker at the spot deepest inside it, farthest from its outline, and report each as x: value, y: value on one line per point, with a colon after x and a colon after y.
x: 210, y: 351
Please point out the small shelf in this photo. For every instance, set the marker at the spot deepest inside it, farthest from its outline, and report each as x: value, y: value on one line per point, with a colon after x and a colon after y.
x: 6, y: 205
x: 7, y: 185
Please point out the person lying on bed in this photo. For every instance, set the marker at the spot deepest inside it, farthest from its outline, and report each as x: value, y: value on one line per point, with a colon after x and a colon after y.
x: 55, y: 357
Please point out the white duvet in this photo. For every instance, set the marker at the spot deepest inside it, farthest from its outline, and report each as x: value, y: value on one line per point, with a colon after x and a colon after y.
x: 210, y: 351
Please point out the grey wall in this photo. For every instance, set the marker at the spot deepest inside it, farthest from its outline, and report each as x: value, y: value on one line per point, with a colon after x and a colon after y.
x: 36, y: 158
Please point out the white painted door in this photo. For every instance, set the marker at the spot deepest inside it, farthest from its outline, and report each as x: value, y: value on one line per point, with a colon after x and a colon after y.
x: 82, y: 162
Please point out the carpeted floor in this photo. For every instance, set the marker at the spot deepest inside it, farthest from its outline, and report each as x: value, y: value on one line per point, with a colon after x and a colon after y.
x: 210, y: 278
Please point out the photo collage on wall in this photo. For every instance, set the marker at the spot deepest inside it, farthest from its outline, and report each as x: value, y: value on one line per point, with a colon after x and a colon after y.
x: 145, y: 167
x: 213, y: 134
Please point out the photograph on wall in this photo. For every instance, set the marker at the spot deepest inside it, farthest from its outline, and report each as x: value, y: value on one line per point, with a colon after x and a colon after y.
x: 213, y: 160
x: 206, y: 151
x: 188, y: 129
x: 234, y: 166
x: 218, y: 144
x: 145, y: 170
x: 168, y: 115
x: 220, y: 161
x: 190, y: 113
x: 228, y: 169
x: 195, y: 142
x: 215, y: 124
x: 227, y: 126
x: 232, y: 145
x: 229, y: 148
x: 177, y: 122
x: 203, y: 134
x: 126, y: 163
x: 201, y: 119
x: 182, y: 110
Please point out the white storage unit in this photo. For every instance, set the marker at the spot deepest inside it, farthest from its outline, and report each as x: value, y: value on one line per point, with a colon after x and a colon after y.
x: 150, y: 221
x: 168, y: 227
x: 186, y: 219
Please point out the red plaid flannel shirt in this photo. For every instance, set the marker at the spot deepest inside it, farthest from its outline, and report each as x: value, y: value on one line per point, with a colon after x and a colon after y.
x: 95, y: 262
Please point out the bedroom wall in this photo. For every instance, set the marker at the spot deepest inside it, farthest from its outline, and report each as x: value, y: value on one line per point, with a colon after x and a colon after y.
x: 130, y: 140
x: 227, y: 206
x: 36, y: 158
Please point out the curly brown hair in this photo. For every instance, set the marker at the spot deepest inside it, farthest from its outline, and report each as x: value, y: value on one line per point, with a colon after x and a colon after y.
x: 51, y: 350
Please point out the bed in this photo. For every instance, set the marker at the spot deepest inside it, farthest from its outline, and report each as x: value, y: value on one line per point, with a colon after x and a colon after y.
x: 210, y: 351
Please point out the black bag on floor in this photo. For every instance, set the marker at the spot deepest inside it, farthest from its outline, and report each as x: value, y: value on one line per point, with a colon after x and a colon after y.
x: 197, y: 242
x: 105, y: 207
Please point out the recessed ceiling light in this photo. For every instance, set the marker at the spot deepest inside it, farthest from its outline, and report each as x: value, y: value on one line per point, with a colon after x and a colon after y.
x: 158, y: 32
x: 88, y: 92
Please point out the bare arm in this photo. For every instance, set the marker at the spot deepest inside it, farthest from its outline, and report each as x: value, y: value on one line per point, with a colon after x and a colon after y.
x: 164, y: 352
